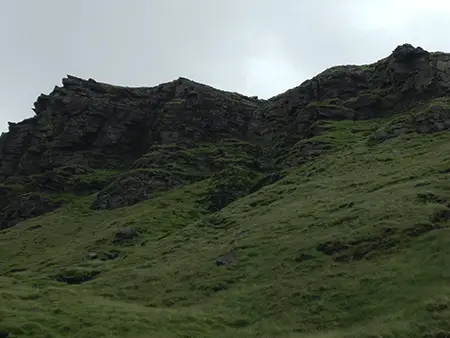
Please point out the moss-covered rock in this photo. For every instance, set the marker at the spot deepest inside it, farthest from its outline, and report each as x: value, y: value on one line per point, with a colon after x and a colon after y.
x: 366, y: 105
x: 434, y: 117
x: 397, y: 126
x: 74, y: 179
x: 174, y: 158
x: 202, y: 159
x: 26, y: 206
x: 233, y: 152
x: 303, y: 151
x: 430, y: 117
x: 138, y: 185
x: 227, y: 186
x: 93, y: 180
x: 169, y: 166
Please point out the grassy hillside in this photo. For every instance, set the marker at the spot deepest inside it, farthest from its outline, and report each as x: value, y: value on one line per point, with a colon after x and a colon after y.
x: 353, y: 243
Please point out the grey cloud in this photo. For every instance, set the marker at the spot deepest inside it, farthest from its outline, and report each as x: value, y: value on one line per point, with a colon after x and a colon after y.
x: 256, y: 47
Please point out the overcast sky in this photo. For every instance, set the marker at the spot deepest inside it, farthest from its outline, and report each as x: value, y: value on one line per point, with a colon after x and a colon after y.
x: 256, y: 47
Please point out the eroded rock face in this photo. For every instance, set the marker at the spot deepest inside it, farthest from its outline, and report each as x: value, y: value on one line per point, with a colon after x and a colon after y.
x: 103, y: 126
x: 382, y: 89
x: 162, y: 137
x: 97, y: 125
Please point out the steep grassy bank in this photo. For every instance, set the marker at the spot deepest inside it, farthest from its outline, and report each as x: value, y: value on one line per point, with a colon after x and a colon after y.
x: 354, y: 243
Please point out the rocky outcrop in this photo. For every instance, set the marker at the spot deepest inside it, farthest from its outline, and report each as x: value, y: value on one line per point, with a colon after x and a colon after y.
x: 169, y: 166
x: 302, y: 152
x: 24, y: 207
x: 124, y: 145
x: 138, y: 185
x: 227, y: 186
x: 431, y: 117
x: 98, y: 125
x: 409, y: 75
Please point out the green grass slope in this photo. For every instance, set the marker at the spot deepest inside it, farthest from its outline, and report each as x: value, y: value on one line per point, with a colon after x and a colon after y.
x: 354, y: 243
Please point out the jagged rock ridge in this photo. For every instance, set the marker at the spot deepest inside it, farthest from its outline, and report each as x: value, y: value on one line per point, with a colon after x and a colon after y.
x: 154, y: 139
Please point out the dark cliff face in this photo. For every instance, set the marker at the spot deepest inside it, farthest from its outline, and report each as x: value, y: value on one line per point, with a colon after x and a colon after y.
x: 153, y: 139
x: 409, y: 75
x: 100, y: 125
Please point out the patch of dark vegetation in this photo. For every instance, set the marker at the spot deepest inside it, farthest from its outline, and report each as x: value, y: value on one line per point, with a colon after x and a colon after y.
x: 331, y: 247
x: 372, y: 246
x: 441, y: 215
x: 429, y: 197
x: 366, y: 248
x: 219, y: 287
x: 346, y: 205
x: 262, y: 201
x: 93, y: 180
x: 421, y: 229
x: 231, y: 151
x: 50, y: 181
x: 73, y: 178
x: 302, y: 257
x: 227, y: 186
x: 239, y: 323
x: 26, y: 206
x: 343, y: 219
x: 202, y: 159
x: 76, y: 276
x: 421, y: 184
x: 217, y: 221
x: 16, y: 270
x: 380, y: 186
x: 138, y: 185
x: 302, y: 152
x: 437, y: 307
x: 266, y: 180
x: 171, y: 157
x: 125, y: 236
x: 109, y: 256
x: 35, y: 227
x: 440, y: 334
